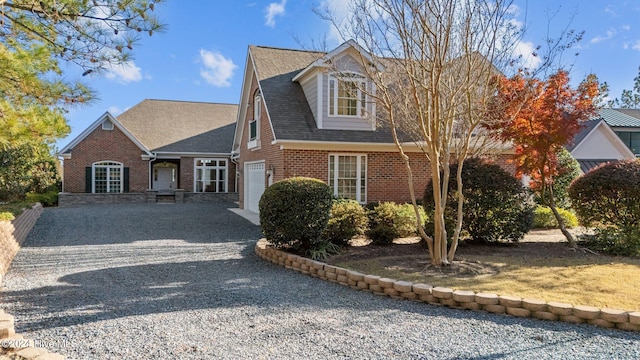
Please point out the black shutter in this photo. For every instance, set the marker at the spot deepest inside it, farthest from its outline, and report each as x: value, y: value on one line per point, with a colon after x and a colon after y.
x: 125, y: 179
x: 88, y: 179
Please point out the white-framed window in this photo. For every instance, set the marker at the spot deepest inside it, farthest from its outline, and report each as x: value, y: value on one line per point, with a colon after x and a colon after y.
x: 210, y: 175
x: 107, y: 177
x: 348, y: 176
x: 254, y: 124
x: 346, y: 95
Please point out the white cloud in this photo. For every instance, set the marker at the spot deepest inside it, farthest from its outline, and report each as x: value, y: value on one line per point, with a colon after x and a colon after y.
x: 218, y: 69
x: 599, y: 38
x: 273, y: 10
x: 636, y: 45
x: 626, y: 27
x: 526, y: 50
x: 114, y: 110
x: 124, y: 73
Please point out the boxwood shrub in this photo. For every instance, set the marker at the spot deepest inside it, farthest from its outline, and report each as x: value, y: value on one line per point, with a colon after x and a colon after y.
x: 295, y: 211
x: 348, y: 218
x: 496, y: 205
x: 388, y: 221
x: 544, y: 218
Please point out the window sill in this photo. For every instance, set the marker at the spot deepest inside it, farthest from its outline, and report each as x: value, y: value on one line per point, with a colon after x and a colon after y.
x: 253, y: 144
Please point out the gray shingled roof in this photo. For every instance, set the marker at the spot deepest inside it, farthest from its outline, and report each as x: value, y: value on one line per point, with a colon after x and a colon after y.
x: 588, y: 126
x: 621, y: 117
x: 289, y: 111
x: 181, y: 126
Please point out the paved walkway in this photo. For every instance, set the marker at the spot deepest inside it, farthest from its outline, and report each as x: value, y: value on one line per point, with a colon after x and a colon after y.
x: 164, y: 281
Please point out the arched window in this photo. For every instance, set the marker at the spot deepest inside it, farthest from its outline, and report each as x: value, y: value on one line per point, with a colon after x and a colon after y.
x: 107, y: 177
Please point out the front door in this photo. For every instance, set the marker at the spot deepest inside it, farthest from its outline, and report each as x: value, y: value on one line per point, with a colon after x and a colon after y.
x: 164, y: 178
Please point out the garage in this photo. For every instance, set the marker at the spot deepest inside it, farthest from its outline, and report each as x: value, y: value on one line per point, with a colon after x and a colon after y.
x: 254, y: 184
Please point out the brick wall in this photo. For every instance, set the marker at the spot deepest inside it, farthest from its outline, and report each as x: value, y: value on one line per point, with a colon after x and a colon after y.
x: 103, y: 145
x: 271, y: 154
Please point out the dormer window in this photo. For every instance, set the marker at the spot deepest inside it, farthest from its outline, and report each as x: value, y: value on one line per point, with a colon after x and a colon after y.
x: 346, y: 95
x: 254, y: 124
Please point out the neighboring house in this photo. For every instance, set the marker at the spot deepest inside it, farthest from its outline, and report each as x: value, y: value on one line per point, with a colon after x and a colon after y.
x: 626, y: 124
x: 157, y: 144
x: 602, y: 140
x: 297, y: 119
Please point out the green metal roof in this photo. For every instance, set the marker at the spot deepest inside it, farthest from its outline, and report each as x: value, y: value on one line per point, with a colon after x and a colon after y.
x: 616, y: 118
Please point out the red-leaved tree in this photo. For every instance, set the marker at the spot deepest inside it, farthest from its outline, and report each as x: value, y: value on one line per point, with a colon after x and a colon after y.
x: 539, y: 117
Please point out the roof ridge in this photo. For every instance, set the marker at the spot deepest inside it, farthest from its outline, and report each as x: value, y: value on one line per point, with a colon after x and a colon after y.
x: 189, y: 101
x: 288, y: 49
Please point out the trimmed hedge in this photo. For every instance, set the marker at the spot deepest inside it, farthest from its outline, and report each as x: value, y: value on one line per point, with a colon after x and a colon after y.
x: 543, y: 218
x: 608, y: 195
x: 496, y: 205
x: 295, y: 211
x: 348, y: 218
x: 608, y: 199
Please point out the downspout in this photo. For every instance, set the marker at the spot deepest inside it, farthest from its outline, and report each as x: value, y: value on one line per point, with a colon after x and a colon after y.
x: 150, y: 175
x: 234, y: 159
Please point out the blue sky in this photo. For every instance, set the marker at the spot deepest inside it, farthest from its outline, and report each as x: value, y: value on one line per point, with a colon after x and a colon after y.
x: 202, y: 54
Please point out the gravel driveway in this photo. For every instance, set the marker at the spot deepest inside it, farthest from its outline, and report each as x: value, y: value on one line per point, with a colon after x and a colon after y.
x: 181, y: 281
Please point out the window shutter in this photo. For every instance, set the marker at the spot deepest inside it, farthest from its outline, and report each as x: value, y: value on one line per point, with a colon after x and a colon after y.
x: 125, y: 180
x: 88, y: 179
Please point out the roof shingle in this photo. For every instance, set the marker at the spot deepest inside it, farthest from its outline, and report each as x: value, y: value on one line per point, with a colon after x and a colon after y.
x: 287, y: 105
x: 181, y: 126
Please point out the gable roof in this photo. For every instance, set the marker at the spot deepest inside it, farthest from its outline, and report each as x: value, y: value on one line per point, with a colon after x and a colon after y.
x: 589, y: 125
x: 182, y: 126
x: 290, y: 115
x: 65, y: 152
x: 327, y: 57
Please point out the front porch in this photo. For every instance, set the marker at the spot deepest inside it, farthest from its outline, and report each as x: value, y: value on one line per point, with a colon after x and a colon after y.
x: 150, y: 196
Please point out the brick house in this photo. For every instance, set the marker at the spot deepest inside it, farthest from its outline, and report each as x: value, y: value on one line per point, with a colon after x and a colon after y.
x: 296, y: 119
x: 156, y: 144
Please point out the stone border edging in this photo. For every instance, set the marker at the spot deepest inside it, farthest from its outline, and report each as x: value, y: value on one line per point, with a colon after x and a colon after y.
x: 457, y: 299
x: 12, y: 235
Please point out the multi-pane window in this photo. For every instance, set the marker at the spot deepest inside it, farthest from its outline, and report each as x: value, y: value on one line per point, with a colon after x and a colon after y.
x: 107, y: 177
x: 348, y: 176
x: 210, y: 175
x: 346, y: 97
x: 631, y: 139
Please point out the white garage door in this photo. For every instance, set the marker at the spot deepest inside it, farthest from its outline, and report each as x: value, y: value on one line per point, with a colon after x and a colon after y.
x: 254, y: 185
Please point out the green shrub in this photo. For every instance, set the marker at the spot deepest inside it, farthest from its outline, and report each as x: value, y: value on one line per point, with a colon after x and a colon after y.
x: 6, y: 216
x: 496, y: 205
x: 389, y: 220
x: 544, y: 218
x: 49, y: 198
x: 322, y: 249
x: 608, y: 195
x: 295, y: 211
x: 348, y: 219
x: 608, y: 199
x: 569, y: 170
x: 614, y: 241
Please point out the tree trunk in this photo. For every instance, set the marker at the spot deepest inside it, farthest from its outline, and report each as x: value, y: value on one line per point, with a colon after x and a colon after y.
x: 563, y: 227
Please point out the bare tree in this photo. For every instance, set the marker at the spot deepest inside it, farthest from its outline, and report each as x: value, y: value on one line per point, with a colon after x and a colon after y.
x: 434, y: 65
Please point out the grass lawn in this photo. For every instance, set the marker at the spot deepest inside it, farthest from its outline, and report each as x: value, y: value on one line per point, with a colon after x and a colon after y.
x: 546, y: 271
